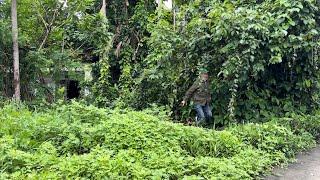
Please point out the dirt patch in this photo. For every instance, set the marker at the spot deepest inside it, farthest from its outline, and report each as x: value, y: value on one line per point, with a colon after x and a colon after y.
x: 307, y: 167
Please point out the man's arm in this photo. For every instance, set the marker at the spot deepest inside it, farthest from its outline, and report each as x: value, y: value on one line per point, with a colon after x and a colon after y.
x: 190, y: 92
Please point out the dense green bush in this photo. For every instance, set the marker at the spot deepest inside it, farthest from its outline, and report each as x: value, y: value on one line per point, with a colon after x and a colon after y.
x: 77, y: 141
x: 262, y: 57
x: 271, y: 137
x: 303, y: 123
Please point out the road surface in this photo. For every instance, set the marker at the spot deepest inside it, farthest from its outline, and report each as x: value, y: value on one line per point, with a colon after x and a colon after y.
x: 307, y: 167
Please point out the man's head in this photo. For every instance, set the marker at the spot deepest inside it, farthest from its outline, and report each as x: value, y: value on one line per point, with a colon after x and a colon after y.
x: 204, y: 74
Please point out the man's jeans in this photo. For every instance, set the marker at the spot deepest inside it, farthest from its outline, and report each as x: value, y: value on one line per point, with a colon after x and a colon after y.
x: 203, y: 113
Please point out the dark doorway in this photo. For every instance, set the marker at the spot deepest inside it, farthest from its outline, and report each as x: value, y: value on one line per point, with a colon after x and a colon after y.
x: 73, y: 89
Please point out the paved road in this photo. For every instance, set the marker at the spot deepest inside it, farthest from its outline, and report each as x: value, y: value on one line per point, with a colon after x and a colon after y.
x: 307, y: 167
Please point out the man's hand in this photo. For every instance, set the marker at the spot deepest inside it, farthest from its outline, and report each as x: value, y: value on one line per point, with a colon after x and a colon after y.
x: 183, y: 103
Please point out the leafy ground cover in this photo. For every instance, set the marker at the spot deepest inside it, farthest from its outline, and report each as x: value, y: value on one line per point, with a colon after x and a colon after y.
x: 84, y: 142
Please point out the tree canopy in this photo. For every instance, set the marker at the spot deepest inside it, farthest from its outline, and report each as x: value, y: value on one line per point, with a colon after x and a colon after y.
x: 262, y: 55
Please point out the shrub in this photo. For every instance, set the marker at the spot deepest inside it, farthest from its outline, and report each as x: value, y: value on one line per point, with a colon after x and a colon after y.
x: 302, y: 123
x: 271, y: 137
x: 77, y: 141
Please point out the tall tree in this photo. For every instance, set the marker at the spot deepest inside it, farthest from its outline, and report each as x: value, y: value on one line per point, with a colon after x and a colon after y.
x: 16, y: 75
x: 103, y: 8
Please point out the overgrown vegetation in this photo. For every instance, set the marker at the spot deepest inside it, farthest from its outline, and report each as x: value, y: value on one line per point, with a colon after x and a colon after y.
x: 259, y: 54
x: 262, y: 56
x: 77, y: 141
x: 134, y: 59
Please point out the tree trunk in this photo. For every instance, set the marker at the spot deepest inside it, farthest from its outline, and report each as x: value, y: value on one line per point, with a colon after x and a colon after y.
x: 103, y: 8
x: 174, y: 15
x: 16, y: 75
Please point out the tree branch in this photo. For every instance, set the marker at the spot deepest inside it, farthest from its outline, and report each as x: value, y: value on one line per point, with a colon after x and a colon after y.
x: 49, y: 28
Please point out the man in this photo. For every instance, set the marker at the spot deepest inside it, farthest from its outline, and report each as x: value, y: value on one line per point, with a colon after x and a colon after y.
x: 200, y: 92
